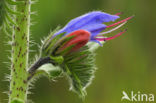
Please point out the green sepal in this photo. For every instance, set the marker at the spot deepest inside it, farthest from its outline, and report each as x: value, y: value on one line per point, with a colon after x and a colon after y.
x: 57, y: 59
x: 60, y: 43
x: 48, y: 39
x: 65, y: 40
x: 79, y: 67
x: 76, y: 57
x: 65, y: 51
x: 50, y: 42
x: 78, y: 84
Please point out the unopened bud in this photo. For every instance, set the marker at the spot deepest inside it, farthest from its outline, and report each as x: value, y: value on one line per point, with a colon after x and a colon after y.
x: 80, y: 38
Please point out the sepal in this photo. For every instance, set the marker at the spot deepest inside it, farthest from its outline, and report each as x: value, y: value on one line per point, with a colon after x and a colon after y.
x: 61, y: 45
x: 79, y: 67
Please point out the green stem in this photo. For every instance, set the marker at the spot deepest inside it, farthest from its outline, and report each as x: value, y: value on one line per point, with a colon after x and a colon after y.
x: 20, y: 48
x: 37, y: 65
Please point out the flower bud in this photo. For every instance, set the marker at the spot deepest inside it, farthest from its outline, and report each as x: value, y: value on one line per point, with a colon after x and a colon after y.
x: 80, y: 38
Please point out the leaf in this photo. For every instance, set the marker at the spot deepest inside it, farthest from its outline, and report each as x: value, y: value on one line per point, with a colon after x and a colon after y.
x: 2, y: 12
x: 79, y: 68
x: 49, y: 70
x: 6, y: 16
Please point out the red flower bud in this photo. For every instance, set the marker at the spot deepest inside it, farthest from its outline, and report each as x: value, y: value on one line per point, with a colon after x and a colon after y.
x: 81, y: 37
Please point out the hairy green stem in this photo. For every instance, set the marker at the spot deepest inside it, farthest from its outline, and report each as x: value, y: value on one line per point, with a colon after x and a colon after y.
x: 20, y: 49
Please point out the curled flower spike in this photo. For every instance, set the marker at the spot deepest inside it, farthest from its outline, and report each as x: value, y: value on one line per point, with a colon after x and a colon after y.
x: 93, y: 23
x: 67, y: 49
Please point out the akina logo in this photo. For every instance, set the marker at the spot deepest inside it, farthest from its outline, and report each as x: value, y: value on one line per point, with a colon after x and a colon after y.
x: 137, y: 96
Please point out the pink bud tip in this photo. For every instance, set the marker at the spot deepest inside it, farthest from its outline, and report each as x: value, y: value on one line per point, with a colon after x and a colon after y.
x: 81, y: 37
x: 110, y: 38
x: 120, y: 22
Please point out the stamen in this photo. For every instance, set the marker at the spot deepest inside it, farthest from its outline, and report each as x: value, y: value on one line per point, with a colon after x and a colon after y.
x: 117, y: 14
x: 113, y: 29
x: 120, y: 22
x: 110, y: 38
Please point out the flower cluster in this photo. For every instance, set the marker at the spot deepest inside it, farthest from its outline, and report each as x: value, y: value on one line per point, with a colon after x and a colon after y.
x: 67, y: 47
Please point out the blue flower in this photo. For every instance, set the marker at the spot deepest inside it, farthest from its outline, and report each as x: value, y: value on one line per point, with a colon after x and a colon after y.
x: 93, y: 23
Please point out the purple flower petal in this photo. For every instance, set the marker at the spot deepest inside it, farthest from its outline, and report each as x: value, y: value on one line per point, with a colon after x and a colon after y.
x: 91, y: 22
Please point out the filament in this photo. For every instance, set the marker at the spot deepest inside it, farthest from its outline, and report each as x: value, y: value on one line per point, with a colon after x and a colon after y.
x: 113, y: 29
x: 110, y: 38
x: 120, y: 22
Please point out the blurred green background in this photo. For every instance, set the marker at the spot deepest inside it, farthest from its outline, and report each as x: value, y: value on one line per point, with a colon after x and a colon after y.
x: 127, y: 63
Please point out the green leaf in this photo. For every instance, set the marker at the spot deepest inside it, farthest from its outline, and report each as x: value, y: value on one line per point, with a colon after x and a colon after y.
x: 79, y: 67
x: 11, y: 2
x: 6, y: 16
x: 49, y: 70
x: 2, y: 12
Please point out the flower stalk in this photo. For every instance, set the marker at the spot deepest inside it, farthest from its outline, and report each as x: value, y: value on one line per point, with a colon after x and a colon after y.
x: 20, y: 51
x: 37, y: 65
